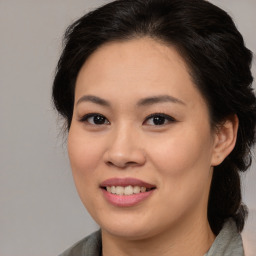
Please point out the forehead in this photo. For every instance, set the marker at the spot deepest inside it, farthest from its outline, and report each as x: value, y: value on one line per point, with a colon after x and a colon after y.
x: 136, y: 67
x: 117, y: 55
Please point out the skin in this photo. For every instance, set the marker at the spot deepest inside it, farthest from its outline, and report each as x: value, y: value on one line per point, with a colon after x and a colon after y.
x: 177, y: 156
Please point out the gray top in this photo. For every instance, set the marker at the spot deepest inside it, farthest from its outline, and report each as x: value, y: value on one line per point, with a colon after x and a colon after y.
x: 227, y: 243
x: 89, y: 246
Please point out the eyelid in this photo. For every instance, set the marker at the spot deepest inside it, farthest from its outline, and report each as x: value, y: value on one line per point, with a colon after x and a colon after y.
x: 85, y: 118
x: 167, y: 117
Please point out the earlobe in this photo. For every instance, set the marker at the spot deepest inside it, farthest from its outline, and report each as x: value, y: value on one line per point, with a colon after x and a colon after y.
x: 225, y: 139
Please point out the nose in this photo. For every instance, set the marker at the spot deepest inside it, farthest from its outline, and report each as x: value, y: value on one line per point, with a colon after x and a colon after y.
x: 124, y: 149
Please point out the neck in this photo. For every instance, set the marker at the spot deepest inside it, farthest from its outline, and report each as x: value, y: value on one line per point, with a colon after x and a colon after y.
x: 183, y: 240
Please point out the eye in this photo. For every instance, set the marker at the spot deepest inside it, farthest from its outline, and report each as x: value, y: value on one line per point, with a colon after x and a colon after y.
x: 94, y: 119
x: 158, y: 119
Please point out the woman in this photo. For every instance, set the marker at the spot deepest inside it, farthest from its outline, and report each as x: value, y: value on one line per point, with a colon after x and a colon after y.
x: 161, y: 117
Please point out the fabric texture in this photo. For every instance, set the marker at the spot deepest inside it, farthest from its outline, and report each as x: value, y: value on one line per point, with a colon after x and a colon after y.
x: 227, y: 243
x: 89, y: 246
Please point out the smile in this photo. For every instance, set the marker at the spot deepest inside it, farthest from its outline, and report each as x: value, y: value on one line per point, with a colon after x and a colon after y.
x: 126, y: 192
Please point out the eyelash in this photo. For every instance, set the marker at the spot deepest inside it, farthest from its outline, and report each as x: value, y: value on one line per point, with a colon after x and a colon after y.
x: 87, y: 116
x: 167, y: 118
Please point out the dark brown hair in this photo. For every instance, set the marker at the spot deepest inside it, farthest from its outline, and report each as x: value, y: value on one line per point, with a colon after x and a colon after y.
x: 218, y: 60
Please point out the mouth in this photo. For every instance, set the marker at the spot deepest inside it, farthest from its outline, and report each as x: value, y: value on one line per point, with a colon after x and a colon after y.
x: 127, y: 190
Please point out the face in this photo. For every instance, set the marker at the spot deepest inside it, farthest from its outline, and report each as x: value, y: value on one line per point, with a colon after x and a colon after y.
x: 140, y: 142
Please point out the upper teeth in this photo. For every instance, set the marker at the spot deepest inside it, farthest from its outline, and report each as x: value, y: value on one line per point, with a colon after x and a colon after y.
x: 128, y: 190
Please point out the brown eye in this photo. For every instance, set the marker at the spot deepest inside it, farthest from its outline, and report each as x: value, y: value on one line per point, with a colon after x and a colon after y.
x: 95, y: 119
x: 159, y: 119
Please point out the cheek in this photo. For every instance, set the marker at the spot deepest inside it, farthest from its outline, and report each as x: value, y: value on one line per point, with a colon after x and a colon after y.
x: 183, y: 156
x: 82, y: 150
x: 84, y: 158
x: 184, y: 172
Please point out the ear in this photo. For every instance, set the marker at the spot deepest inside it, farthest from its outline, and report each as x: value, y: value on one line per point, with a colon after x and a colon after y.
x: 225, y: 139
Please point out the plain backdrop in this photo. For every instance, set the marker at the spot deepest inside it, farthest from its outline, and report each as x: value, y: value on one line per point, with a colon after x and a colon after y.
x: 40, y: 211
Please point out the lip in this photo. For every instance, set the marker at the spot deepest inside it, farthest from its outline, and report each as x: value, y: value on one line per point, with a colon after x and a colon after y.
x: 126, y: 182
x: 126, y: 200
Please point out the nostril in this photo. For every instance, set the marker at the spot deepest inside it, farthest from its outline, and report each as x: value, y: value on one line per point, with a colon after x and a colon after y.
x: 131, y: 163
x: 109, y: 163
x: 123, y: 159
x: 122, y: 164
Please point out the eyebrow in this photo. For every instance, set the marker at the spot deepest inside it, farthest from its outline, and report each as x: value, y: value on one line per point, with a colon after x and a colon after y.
x: 93, y: 99
x: 159, y: 99
x: 142, y: 102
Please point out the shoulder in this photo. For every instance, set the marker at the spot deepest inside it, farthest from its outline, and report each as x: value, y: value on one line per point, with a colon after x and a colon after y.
x: 249, y: 233
x: 88, y: 246
x: 228, y: 242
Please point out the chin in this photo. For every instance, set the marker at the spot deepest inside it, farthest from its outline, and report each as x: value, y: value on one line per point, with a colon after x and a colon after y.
x: 124, y: 229
x: 129, y: 233
x: 135, y: 229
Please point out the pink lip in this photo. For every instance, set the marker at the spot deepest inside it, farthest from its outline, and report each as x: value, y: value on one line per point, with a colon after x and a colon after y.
x: 125, y: 201
x: 125, y: 182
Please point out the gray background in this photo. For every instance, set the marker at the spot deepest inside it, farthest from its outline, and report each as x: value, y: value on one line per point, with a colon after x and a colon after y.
x: 40, y: 212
